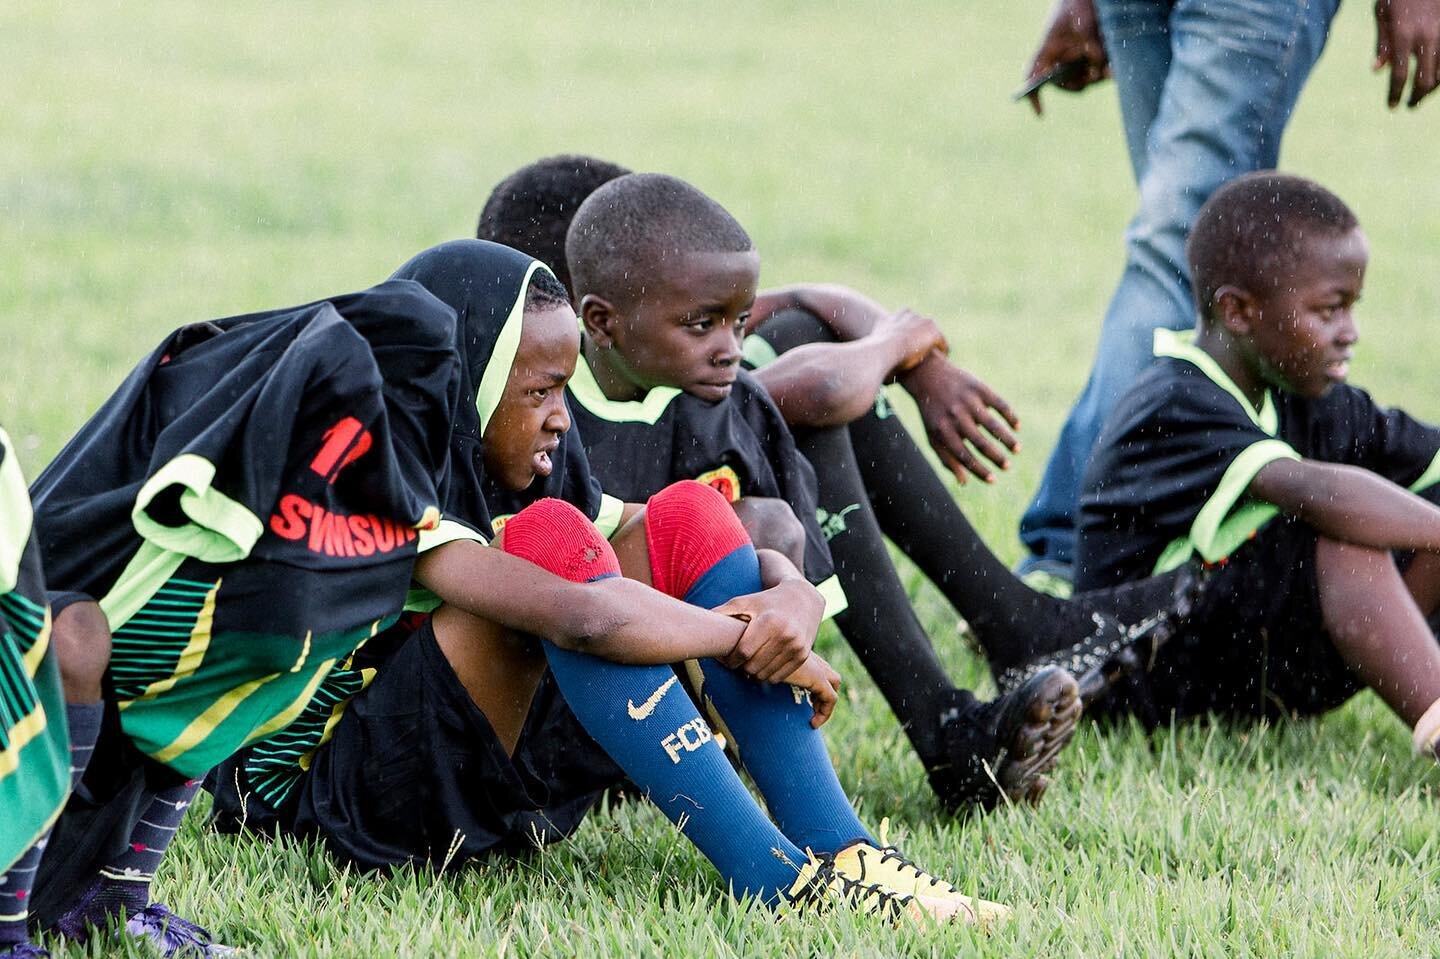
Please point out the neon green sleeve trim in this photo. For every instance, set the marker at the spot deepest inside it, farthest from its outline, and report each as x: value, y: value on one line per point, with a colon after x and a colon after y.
x: 1430, y: 477
x: 497, y: 371
x: 836, y: 602
x: 586, y: 392
x: 221, y: 530
x: 758, y: 352
x: 611, y: 512
x: 149, y: 569
x: 16, y: 516
x: 1220, y: 526
x: 419, y: 599
x: 447, y: 531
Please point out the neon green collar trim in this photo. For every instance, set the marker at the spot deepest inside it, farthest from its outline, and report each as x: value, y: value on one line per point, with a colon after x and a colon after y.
x: 1180, y: 345
x: 588, y: 394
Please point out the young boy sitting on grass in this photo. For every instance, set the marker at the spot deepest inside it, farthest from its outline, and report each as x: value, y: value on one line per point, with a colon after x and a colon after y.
x: 439, y: 752
x: 244, y: 509
x: 681, y: 338
x: 1244, y: 445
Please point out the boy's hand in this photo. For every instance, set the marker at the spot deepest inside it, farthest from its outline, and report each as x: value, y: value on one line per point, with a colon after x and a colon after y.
x: 1405, y: 29
x: 822, y: 683
x: 957, y: 409
x: 916, y: 336
x: 1072, y: 36
x: 780, y: 627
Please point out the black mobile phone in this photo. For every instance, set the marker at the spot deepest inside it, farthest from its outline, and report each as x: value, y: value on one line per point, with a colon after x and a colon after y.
x: 1055, y: 74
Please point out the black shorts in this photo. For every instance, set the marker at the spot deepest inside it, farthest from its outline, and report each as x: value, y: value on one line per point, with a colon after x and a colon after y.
x: 414, y: 772
x: 1256, y: 644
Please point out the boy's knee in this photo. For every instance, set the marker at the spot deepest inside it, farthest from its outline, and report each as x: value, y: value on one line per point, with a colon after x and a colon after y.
x: 689, y: 527
x: 81, y: 636
x: 772, y: 524
x: 557, y: 537
x: 794, y: 327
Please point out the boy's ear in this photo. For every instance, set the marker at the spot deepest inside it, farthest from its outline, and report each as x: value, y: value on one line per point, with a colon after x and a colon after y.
x: 599, y: 317
x: 1235, y: 309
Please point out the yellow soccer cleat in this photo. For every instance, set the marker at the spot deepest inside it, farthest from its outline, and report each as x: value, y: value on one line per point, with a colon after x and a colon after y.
x: 889, y: 868
x: 820, y: 887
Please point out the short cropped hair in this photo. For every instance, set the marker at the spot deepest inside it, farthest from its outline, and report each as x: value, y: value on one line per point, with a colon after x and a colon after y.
x: 1252, y: 232
x: 545, y: 292
x: 629, y: 226
x: 531, y: 209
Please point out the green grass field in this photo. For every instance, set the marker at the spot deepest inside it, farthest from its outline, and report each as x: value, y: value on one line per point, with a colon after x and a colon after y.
x: 168, y: 162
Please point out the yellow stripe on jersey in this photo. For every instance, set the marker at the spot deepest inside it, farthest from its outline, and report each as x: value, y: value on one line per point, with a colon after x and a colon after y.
x: 21, y: 734
x: 191, y: 656
x: 287, y: 715
x: 36, y: 653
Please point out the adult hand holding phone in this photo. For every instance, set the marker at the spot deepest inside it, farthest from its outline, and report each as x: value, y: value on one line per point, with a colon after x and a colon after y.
x: 1072, y: 53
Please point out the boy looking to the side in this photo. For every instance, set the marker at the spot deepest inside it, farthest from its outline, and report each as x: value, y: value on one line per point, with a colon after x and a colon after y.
x: 1021, y: 631
x: 433, y: 756
x: 1244, y: 444
x: 664, y: 277
x: 245, y: 509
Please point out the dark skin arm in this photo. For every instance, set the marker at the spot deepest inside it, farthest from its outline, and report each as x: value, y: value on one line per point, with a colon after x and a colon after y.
x: 820, y: 385
x: 628, y: 622
x: 1406, y: 30
x: 1350, y: 504
x: 1072, y: 35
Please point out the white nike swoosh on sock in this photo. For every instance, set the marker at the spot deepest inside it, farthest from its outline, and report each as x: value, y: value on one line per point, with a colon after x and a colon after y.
x: 644, y: 710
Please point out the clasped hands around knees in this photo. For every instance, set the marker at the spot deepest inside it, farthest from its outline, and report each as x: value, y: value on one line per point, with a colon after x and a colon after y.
x: 777, y: 644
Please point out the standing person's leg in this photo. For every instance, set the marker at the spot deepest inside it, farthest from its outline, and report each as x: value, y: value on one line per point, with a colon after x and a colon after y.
x: 1229, y: 73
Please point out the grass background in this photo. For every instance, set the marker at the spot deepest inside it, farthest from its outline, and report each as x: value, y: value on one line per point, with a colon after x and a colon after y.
x: 167, y: 162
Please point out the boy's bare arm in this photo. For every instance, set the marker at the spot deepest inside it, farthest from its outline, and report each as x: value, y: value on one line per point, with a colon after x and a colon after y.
x: 1349, y: 504
x: 830, y: 384
x: 849, y: 313
x: 628, y: 622
x: 616, y: 619
x: 966, y: 421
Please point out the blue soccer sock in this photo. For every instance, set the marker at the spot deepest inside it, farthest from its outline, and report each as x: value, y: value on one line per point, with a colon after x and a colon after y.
x: 770, y: 726
x: 644, y: 720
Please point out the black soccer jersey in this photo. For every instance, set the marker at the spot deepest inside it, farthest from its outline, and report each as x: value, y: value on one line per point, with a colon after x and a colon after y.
x: 741, y: 446
x: 247, y: 507
x: 1169, y: 475
x: 34, y: 743
x: 484, y: 284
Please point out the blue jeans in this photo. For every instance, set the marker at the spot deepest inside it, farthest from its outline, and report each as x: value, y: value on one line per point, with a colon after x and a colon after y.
x: 1206, y: 88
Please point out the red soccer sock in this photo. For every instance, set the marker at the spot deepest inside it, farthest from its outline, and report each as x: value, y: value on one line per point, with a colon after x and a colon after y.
x: 558, y: 538
x: 689, y: 528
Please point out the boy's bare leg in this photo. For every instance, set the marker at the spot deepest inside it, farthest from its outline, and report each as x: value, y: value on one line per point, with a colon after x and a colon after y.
x: 498, y: 668
x: 633, y: 550
x: 1377, y: 627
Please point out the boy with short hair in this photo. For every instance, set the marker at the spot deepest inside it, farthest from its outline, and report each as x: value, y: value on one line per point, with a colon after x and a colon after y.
x: 871, y: 474
x: 438, y: 750
x: 1244, y: 445
x: 663, y: 278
